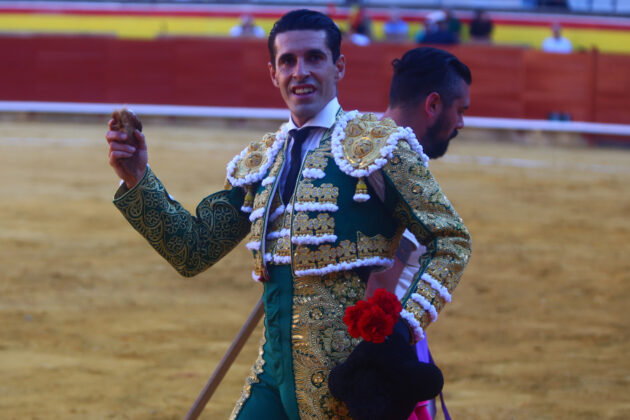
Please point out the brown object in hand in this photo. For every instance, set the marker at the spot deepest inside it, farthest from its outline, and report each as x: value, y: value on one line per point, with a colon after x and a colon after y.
x: 126, y: 121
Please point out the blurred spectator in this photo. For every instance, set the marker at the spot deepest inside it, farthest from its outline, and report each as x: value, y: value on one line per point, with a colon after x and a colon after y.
x: 331, y: 9
x: 360, y: 35
x: 453, y: 24
x: 481, y: 27
x: 359, y: 22
x: 555, y: 5
x: 557, y: 43
x: 247, y: 28
x: 436, y: 30
x: 396, y: 29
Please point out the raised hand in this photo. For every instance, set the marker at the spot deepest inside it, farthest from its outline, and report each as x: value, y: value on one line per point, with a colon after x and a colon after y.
x: 127, y: 148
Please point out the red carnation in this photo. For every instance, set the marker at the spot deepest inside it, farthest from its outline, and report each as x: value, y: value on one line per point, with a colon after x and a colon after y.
x: 388, y: 302
x: 352, y: 317
x: 373, y: 320
x: 375, y: 325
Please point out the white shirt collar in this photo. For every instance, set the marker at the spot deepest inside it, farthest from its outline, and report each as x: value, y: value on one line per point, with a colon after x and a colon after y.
x: 324, y: 118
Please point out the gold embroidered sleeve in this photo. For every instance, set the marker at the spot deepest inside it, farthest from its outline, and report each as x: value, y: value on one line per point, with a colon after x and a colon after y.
x: 424, y: 209
x: 191, y: 244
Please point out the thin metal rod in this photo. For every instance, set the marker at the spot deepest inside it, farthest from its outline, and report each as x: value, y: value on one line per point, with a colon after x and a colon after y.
x: 226, y: 362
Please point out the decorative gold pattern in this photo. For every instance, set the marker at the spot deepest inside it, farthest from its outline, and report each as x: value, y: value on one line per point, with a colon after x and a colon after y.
x: 255, y: 158
x: 316, y: 160
x: 365, y: 137
x: 376, y: 246
x: 261, y: 198
x: 305, y: 258
x: 322, y: 224
x: 256, y: 370
x: 325, y: 193
x: 427, y: 213
x: 256, y: 230
x: 321, y: 340
x: 190, y: 244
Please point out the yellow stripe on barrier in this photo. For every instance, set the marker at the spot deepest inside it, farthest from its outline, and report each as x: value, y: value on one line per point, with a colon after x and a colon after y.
x: 141, y: 27
x: 148, y: 27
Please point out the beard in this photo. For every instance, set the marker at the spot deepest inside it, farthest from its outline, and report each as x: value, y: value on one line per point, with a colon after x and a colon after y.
x: 433, y: 142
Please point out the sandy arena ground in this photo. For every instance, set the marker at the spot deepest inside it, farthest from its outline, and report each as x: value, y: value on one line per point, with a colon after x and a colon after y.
x: 95, y: 325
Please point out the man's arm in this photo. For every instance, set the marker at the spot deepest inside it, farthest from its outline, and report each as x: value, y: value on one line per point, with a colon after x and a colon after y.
x: 191, y: 244
x: 422, y: 207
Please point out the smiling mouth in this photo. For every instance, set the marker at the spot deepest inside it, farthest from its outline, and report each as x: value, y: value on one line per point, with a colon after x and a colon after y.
x: 302, y: 90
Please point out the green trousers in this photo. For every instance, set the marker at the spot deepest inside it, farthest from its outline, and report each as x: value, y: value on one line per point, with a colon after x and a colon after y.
x: 272, y: 394
x: 304, y: 338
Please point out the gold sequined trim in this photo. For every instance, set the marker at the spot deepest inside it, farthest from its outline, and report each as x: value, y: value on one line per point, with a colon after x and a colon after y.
x: 323, y: 224
x: 325, y: 193
x: 320, y: 339
x: 257, y: 369
x: 366, y: 247
x: 316, y: 160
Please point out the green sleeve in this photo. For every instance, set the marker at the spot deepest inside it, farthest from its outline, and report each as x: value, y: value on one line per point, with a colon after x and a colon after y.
x: 191, y: 244
x: 420, y: 205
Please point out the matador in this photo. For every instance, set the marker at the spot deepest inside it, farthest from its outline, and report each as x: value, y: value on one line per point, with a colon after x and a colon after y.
x: 361, y: 182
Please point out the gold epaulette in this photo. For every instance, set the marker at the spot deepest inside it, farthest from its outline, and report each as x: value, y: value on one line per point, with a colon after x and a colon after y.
x: 362, y: 144
x: 365, y: 137
x: 253, y: 163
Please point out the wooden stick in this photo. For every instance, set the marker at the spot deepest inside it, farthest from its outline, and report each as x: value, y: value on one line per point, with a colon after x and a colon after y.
x: 226, y: 362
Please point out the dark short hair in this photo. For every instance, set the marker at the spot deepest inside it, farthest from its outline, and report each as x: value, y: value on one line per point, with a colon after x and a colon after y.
x: 304, y: 19
x: 424, y: 70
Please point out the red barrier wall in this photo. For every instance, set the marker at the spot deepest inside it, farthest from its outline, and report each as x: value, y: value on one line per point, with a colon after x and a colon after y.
x: 507, y: 82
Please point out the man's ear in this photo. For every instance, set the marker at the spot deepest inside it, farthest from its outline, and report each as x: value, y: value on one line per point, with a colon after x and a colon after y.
x: 272, y: 73
x: 341, y: 67
x: 433, y: 105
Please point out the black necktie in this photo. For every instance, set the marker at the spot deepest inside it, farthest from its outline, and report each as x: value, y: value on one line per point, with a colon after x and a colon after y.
x: 296, y: 162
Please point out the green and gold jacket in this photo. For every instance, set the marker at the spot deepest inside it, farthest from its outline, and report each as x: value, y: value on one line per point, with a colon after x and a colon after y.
x: 333, y: 222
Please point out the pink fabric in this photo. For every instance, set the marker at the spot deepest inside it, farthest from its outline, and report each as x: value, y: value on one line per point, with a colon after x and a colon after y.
x: 421, y: 412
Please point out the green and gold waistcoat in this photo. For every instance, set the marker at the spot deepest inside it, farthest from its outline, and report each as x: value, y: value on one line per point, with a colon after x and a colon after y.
x: 322, y: 229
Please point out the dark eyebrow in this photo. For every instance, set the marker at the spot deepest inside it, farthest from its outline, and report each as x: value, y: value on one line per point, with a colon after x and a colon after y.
x: 285, y: 56
x: 316, y: 51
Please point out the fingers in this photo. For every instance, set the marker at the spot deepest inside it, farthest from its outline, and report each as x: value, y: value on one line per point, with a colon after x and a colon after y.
x: 115, y: 136
x: 142, y: 144
x: 114, y: 156
x: 121, y: 147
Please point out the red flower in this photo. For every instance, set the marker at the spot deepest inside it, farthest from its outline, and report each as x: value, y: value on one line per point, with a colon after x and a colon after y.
x: 388, y: 302
x: 373, y: 320
x: 375, y: 325
x: 352, y: 317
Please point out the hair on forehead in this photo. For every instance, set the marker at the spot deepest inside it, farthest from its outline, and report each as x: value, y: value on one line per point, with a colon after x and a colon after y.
x: 304, y: 19
x: 424, y: 70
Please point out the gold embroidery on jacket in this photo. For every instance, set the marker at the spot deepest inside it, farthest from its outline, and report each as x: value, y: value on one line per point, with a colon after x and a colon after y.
x: 190, y: 244
x: 325, y: 193
x: 255, y: 157
x: 374, y: 246
x: 365, y: 137
x: 428, y: 214
x: 316, y: 160
x: 306, y: 258
x: 320, y: 339
x: 322, y: 224
x: 256, y: 230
